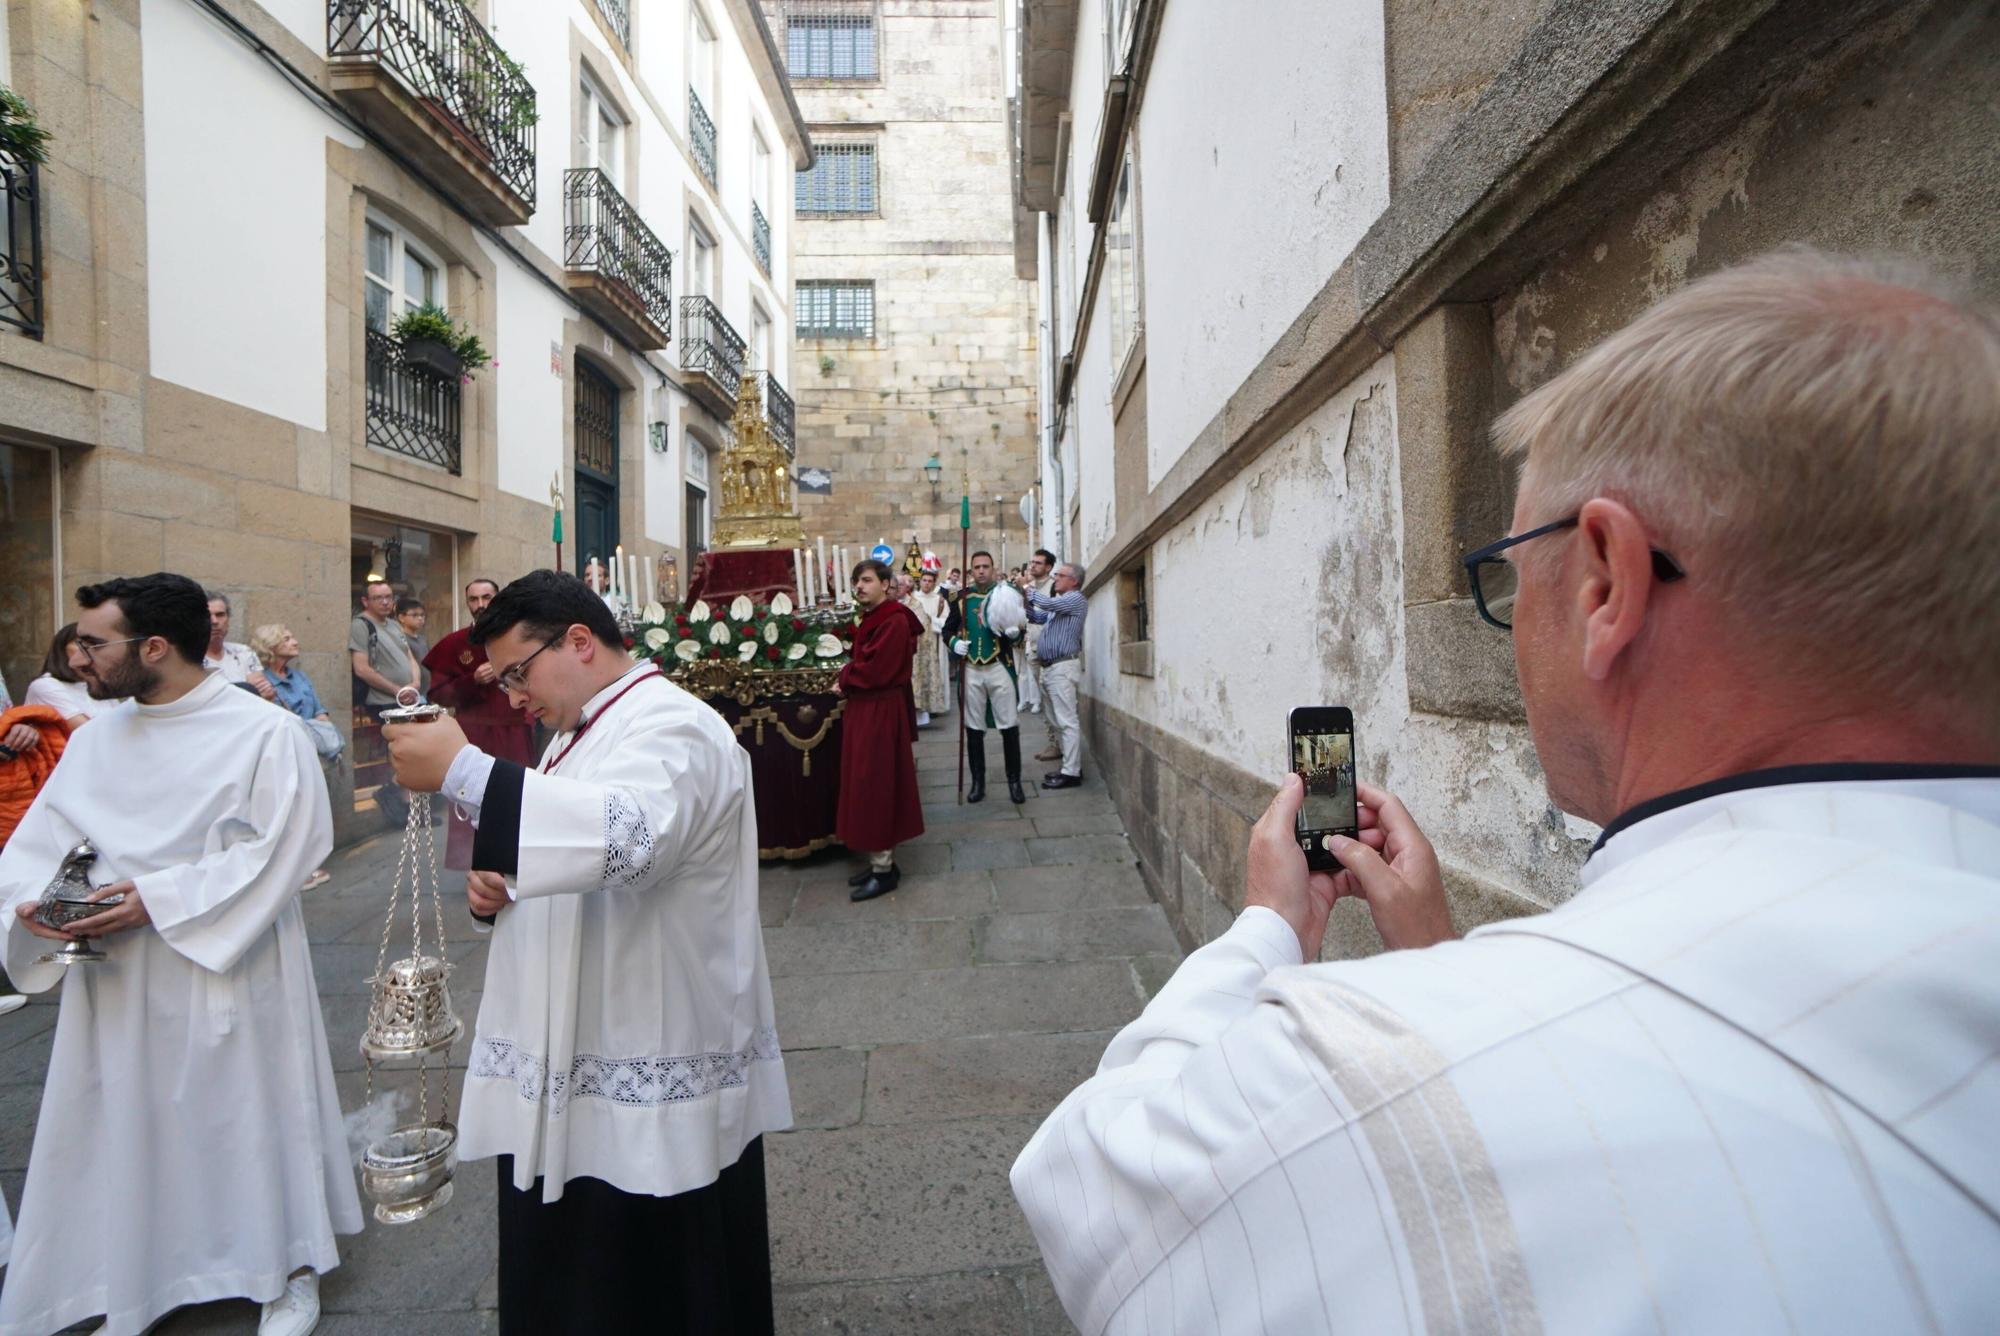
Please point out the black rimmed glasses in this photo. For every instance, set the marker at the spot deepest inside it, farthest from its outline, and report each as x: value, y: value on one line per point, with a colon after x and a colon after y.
x: 1496, y: 582
x: 515, y: 679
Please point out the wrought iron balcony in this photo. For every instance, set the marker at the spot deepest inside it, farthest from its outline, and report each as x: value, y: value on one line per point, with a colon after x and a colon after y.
x: 619, y: 16
x: 778, y: 409
x: 412, y: 410
x: 617, y: 267
x: 711, y: 354
x: 701, y: 136
x: 760, y: 236
x: 429, y: 78
x: 20, y: 243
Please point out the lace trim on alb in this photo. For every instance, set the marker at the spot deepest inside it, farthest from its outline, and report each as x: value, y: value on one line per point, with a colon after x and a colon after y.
x: 640, y: 1082
x: 628, y: 842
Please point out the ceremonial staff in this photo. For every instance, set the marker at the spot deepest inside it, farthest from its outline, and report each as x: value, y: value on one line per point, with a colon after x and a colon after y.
x: 556, y: 500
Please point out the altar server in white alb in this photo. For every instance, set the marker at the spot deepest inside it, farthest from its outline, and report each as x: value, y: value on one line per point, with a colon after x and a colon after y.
x: 190, y: 1145
x: 1746, y: 1079
x: 626, y: 1063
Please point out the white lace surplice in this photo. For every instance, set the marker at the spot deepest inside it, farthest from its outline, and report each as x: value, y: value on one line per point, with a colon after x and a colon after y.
x: 626, y: 1032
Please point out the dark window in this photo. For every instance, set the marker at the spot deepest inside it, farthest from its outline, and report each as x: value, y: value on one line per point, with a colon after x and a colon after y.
x: 836, y: 309
x: 841, y: 180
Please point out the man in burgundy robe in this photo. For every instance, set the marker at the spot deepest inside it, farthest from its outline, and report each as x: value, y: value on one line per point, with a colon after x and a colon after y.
x: 462, y: 679
x: 879, y: 808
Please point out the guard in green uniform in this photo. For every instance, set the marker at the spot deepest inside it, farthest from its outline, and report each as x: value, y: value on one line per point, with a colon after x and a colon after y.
x: 991, y: 699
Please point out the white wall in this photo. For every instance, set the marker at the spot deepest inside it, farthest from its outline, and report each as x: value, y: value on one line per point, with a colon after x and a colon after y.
x: 236, y: 257
x: 532, y: 398
x: 1263, y: 158
x: 662, y: 472
x: 304, y: 19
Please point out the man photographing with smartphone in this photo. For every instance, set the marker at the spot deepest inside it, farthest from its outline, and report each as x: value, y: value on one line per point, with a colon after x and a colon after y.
x: 1744, y: 1079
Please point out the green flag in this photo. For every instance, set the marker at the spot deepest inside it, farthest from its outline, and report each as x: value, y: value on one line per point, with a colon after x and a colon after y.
x: 965, y: 512
x: 556, y: 537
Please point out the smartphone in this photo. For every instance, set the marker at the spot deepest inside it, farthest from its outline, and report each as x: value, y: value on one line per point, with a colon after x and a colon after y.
x: 1322, y: 748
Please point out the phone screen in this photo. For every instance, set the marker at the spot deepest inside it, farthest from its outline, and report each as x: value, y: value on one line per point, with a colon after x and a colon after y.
x: 1323, y: 756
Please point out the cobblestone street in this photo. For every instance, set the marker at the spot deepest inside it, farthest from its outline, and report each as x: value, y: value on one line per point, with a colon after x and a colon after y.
x: 926, y: 1033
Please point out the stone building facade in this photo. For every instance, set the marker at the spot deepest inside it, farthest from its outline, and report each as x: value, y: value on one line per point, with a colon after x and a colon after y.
x: 240, y: 197
x: 1295, y: 257
x: 915, y: 338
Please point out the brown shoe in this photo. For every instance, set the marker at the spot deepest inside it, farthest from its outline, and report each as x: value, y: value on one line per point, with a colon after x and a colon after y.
x: 1049, y: 753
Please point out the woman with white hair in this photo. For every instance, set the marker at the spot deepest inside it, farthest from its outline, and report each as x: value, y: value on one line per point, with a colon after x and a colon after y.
x: 278, y: 650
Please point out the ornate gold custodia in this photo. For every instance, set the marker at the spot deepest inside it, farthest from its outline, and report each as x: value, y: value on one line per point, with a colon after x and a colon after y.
x: 758, y: 509
x: 708, y: 678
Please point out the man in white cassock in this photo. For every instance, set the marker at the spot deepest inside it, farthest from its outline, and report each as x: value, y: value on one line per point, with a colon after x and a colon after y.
x: 1747, y: 1078
x: 190, y: 1144
x: 626, y: 1063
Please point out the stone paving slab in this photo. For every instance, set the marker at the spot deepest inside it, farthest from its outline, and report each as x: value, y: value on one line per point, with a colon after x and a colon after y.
x: 958, y: 895
x: 1077, y: 934
x: 828, y: 946
x: 827, y: 1085
x: 1021, y: 890
x: 992, y: 1076
x: 963, y: 1303
x: 863, y: 1203
x: 815, y: 1011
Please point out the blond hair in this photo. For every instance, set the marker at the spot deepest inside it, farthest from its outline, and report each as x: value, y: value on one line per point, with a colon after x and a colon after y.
x: 264, y: 641
x: 1816, y: 439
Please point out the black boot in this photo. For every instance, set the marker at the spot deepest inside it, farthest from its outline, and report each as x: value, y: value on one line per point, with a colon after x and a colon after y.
x: 877, y: 883
x: 863, y: 875
x: 1010, y: 747
x: 975, y: 758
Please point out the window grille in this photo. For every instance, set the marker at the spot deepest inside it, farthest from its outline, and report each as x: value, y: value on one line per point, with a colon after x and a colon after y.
x: 840, y: 181
x: 835, y: 309
x: 831, y: 39
x: 596, y: 421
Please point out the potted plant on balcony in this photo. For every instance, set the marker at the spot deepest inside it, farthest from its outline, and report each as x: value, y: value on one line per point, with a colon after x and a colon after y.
x: 435, y: 342
x: 21, y: 135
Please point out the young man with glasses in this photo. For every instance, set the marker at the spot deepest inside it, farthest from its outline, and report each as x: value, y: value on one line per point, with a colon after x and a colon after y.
x: 626, y: 1062
x: 1743, y: 1079
x: 190, y: 1146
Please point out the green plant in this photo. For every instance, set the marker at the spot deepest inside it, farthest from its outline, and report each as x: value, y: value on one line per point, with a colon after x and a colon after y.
x: 431, y: 322
x: 20, y: 132
x: 505, y: 93
x: 825, y: 365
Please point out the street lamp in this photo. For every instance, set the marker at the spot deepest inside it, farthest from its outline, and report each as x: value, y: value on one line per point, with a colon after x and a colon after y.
x: 933, y: 471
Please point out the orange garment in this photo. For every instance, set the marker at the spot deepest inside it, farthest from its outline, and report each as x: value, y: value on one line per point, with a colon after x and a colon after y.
x: 22, y: 777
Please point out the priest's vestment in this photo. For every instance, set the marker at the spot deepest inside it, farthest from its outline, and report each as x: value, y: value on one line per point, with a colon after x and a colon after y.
x: 626, y: 1034
x: 1746, y: 1080
x: 879, y: 806
x: 190, y: 1144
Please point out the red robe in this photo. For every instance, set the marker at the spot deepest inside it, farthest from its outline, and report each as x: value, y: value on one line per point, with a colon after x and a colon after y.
x: 490, y: 723
x: 879, y: 807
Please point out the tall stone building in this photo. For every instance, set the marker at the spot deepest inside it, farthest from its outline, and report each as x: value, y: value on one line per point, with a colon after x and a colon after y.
x: 1296, y: 255
x: 915, y: 338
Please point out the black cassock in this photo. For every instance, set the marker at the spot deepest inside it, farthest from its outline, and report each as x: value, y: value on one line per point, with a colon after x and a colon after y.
x: 603, y: 1261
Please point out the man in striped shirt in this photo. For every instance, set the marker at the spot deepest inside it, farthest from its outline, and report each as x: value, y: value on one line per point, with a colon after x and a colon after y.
x: 1059, y: 655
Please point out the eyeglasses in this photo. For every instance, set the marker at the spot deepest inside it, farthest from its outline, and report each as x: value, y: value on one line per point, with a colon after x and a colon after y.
x: 515, y: 679
x: 1496, y: 582
x: 90, y: 646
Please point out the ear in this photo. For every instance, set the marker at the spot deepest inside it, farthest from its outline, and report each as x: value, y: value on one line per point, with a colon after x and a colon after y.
x: 582, y: 641
x: 1617, y: 587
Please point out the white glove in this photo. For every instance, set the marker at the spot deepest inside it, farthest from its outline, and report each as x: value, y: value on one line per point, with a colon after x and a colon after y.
x: 1012, y: 633
x: 961, y: 647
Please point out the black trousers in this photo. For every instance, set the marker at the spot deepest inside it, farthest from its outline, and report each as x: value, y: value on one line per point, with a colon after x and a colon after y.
x: 602, y: 1261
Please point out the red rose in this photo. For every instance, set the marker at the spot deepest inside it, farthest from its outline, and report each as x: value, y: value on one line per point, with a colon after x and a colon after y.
x: 715, y: 654
x: 629, y: 642
x: 773, y: 654
x: 749, y: 633
x: 798, y: 625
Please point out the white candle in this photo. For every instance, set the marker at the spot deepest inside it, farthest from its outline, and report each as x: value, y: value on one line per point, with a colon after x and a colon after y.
x: 819, y: 571
x: 617, y: 560
x: 839, y: 573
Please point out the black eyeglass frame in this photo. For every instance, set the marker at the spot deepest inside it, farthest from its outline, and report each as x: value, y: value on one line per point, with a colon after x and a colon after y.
x: 1665, y: 569
x: 519, y: 672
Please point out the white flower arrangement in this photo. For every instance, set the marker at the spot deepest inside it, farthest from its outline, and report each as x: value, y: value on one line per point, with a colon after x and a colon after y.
x: 829, y: 647
x: 653, y: 612
x: 781, y: 605
x: 699, y: 612
x: 742, y: 610
x: 658, y: 637
x: 718, y: 634
x: 796, y: 652
x: 687, y: 651
x: 770, y: 633
x: 745, y: 650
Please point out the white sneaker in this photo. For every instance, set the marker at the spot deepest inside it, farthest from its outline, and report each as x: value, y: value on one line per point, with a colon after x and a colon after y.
x: 296, y: 1311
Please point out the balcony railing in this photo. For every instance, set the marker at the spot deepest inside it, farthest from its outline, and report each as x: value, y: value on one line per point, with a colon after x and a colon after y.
x: 412, y: 410
x: 444, y: 58
x: 778, y: 409
x: 711, y: 347
x: 20, y: 243
x: 701, y: 135
x: 603, y: 236
x: 619, y: 16
x: 760, y: 236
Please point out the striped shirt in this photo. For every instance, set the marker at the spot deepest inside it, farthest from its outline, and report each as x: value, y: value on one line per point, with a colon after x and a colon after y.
x: 1061, y: 618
